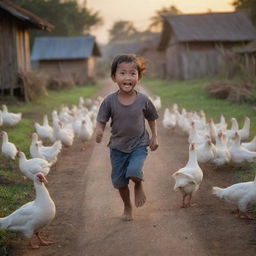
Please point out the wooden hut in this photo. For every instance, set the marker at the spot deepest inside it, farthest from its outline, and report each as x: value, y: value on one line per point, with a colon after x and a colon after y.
x: 15, y: 23
x: 72, y: 57
x: 195, y: 44
x: 145, y: 47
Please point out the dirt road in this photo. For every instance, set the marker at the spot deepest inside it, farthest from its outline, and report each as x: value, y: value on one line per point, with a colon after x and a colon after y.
x: 88, y: 219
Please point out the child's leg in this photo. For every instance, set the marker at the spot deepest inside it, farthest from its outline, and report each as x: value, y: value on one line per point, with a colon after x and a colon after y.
x: 135, y: 173
x: 125, y: 195
x: 140, y: 197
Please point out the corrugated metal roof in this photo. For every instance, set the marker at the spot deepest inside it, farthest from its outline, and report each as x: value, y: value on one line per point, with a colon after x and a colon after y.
x: 232, y: 26
x: 25, y: 16
x: 49, y: 48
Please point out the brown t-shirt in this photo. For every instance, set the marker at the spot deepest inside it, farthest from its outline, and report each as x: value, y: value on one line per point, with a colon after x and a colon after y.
x: 127, y: 121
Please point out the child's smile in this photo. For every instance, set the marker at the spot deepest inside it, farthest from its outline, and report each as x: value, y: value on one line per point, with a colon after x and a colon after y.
x: 126, y: 76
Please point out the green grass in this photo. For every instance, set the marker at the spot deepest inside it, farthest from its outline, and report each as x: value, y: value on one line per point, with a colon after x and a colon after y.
x: 14, y: 190
x: 192, y: 96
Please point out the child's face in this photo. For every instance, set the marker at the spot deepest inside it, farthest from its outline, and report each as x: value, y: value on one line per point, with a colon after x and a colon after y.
x: 126, y: 76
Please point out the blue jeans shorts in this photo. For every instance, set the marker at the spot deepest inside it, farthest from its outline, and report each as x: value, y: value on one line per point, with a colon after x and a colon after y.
x: 126, y: 165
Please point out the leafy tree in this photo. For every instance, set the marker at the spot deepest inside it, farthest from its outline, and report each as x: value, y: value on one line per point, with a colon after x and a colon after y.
x: 246, y: 5
x: 157, y: 20
x: 67, y: 17
x: 122, y: 30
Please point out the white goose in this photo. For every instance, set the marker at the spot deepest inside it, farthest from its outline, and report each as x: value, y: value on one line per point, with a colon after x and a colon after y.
x: 245, y: 131
x: 33, y: 216
x: 206, y: 152
x: 251, y: 146
x: 222, y: 153
x: 44, y: 131
x: 240, y: 154
x: 10, y: 119
x: 188, y: 178
x: 241, y: 195
x: 48, y: 153
x: 8, y: 148
x: 29, y: 167
x: 169, y: 119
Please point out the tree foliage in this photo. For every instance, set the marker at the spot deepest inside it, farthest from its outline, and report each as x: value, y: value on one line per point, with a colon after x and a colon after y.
x: 246, y: 5
x: 122, y: 30
x: 67, y: 17
x: 157, y: 20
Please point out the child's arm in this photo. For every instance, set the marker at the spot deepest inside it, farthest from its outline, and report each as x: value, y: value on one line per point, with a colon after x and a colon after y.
x: 100, y: 127
x: 153, y: 141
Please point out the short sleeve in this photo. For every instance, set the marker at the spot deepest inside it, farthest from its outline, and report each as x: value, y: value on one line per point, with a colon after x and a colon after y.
x: 150, y: 111
x: 104, y: 112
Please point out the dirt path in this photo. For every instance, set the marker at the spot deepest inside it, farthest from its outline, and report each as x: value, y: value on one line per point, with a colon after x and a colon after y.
x: 88, y: 209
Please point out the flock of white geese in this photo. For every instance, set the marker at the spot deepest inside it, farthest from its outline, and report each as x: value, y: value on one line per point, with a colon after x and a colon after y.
x: 79, y: 121
x: 214, y: 143
x: 208, y: 142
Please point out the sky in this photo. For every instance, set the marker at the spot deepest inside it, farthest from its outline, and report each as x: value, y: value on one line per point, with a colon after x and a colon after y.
x: 140, y: 11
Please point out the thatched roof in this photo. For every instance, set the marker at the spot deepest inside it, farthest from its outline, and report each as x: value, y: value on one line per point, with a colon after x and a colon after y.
x: 56, y: 48
x: 27, y: 17
x: 209, y: 27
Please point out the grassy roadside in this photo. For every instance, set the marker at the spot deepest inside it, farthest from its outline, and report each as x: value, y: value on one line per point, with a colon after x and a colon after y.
x: 192, y: 96
x: 14, y: 190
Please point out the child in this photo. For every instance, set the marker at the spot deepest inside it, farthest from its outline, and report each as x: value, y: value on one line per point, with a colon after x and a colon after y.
x: 129, y: 139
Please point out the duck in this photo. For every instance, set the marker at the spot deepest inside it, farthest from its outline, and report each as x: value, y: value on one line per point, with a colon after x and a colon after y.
x: 44, y: 131
x: 10, y: 119
x: 8, y: 148
x: 240, y: 154
x: 241, y: 195
x: 169, y: 119
x: 188, y: 178
x: 29, y: 167
x: 30, y: 218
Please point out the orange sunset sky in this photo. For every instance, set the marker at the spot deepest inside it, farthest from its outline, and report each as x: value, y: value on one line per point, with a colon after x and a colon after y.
x: 140, y: 11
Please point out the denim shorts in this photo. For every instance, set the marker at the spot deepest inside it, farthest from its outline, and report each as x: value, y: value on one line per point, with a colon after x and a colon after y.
x: 126, y: 165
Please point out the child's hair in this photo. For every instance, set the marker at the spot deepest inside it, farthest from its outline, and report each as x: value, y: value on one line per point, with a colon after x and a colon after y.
x: 139, y: 61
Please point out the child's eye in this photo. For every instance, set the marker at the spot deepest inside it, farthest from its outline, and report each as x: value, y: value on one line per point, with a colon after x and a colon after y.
x: 122, y: 73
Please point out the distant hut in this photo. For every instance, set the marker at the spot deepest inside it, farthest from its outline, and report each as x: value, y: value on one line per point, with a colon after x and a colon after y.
x: 14, y: 43
x: 72, y: 57
x: 195, y: 44
x: 145, y: 47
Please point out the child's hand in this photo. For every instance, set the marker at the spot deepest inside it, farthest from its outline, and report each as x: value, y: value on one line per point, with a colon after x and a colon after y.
x: 153, y: 145
x: 99, y: 135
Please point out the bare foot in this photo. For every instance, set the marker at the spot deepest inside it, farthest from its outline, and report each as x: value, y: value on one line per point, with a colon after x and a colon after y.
x: 140, y: 197
x: 127, y: 215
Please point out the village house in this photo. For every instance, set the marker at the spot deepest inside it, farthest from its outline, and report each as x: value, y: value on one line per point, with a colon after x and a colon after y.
x: 70, y: 57
x: 195, y: 45
x: 15, y: 23
x: 145, y: 47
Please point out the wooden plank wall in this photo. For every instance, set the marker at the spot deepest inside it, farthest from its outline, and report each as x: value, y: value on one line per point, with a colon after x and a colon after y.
x: 14, y: 51
x: 8, y: 54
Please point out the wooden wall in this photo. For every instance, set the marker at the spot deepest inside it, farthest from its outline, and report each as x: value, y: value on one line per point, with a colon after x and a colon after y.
x: 194, y: 60
x: 80, y: 70
x: 14, y: 51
